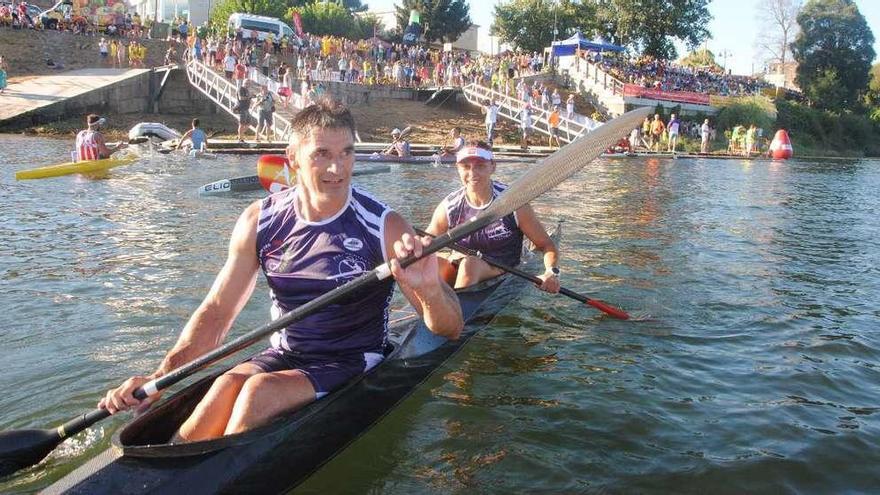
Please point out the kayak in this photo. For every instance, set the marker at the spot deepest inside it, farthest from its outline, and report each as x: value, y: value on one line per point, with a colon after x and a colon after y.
x: 87, y: 167
x: 280, y: 455
x: 247, y: 183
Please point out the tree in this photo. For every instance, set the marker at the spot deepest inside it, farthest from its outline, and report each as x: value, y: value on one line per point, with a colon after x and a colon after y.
x: 700, y: 58
x: 778, y: 20
x: 529, y: 24
x: 272, y: 8
x: 833, y: 36
x: 651, y: 26
x: 442, y: 20
x: 333, y: 18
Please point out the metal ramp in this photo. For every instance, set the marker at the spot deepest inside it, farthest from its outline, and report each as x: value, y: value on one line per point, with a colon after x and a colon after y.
x: 509, y: 107
x: 223, y: 92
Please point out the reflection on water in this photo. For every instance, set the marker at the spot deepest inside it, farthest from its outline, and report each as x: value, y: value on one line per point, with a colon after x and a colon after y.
x: 757, y: 370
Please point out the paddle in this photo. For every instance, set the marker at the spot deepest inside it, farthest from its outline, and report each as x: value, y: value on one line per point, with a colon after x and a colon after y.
x: 22, y: 448
x: 601, y: 306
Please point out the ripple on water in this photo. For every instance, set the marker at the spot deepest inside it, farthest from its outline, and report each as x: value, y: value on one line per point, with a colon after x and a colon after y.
x: 756, y: 372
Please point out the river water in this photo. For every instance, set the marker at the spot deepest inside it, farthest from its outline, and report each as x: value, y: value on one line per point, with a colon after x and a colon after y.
x: 758, y: 370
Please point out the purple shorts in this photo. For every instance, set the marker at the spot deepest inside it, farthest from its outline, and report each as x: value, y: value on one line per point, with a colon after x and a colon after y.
x: 325, y: 372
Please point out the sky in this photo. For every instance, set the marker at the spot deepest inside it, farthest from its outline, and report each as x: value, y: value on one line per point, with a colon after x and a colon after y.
x: 733, y: 27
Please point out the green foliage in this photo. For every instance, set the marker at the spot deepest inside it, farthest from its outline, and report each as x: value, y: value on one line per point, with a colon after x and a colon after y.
x: 700, y: 58
x: 825, y: 131
x: 272, y: 8
x: 746, y: 111
x: 331, y: 18
x: 442, y: 20
x: 651, y: 26
x: 834, y: 36
x: 528, y: 24
x: 827, y: 91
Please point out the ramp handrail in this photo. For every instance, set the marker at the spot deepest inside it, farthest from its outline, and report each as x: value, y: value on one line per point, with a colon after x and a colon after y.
x: 509, y: 107
x: 224, y: 93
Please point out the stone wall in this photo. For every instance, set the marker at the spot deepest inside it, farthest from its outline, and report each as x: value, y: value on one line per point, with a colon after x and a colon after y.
x: 132, y: 95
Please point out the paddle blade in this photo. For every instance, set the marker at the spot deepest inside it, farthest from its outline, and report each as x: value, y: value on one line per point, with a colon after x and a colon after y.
x: 554, y: 169
x: 275, y: 173
x: 22, y: 448
x: 608, y: 309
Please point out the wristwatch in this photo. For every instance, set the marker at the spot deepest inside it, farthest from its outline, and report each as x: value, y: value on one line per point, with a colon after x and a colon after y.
x: 555, y: 270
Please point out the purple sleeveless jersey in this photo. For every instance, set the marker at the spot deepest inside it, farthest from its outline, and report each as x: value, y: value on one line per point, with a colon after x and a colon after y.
x: 303, y: 260
x: 501, y: 240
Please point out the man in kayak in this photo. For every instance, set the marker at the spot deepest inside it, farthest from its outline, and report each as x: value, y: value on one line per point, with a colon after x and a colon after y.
x: 307, y: 240
x: 457, y: 142
x: 197, y: 137
x: 501, y: 240
x: 399, y: 145
x: 90, y: 143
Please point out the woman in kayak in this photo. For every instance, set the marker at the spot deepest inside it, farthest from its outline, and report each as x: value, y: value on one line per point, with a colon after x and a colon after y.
x: 501, y: 240
x: 307, y: 241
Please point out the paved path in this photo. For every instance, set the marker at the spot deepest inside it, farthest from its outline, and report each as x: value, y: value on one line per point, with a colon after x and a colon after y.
x: 38, y: 92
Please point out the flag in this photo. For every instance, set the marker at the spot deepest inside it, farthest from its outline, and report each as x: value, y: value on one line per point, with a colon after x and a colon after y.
x: 298, y: 24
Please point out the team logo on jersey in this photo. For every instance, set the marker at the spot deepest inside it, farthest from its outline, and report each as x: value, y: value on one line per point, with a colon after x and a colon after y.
x: 353, y: 244
x: 499, y: 231
x: 348, y: 266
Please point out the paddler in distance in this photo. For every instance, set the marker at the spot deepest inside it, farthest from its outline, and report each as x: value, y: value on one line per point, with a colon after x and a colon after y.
x: 197, y: 137
x: 90, y: 143
x: 457, y: 143
x: 307, y: 240
x: 399, y: 145
x: 500, y: 241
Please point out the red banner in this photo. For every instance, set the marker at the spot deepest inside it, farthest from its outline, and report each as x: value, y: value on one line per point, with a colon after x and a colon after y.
x: 298, y: 24
x: 637, y: 91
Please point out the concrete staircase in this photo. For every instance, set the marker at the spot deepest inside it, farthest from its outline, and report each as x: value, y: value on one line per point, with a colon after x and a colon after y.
x: 602, y: 90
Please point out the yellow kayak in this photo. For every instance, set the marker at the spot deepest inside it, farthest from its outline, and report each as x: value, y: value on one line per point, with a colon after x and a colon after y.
x: 87, y: 167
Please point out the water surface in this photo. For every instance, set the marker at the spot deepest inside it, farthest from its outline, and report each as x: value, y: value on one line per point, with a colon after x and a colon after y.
x: 757, y: 372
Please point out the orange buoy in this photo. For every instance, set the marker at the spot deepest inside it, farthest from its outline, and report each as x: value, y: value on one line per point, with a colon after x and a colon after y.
x: 780, y: 147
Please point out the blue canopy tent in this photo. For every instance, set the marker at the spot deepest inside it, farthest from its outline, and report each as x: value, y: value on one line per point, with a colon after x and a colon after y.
x: 569, y: 46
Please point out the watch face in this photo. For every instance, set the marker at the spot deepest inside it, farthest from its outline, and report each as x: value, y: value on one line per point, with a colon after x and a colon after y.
x: 554, y: 270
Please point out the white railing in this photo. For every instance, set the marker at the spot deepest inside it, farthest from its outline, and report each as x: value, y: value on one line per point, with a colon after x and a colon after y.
x: 224, y: 93
x: 509, y: 107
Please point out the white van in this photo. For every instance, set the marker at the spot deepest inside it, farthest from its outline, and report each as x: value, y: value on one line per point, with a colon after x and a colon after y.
x: 259, y: 25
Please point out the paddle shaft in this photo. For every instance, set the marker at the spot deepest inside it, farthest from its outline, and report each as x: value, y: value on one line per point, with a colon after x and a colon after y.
x: 601, y: 306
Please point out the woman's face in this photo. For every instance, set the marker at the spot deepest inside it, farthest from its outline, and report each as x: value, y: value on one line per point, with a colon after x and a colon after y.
x: 475, y: 171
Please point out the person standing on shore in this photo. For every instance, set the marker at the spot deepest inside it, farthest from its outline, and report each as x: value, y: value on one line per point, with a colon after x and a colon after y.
x: 266, y: 105
x: 569, y: 106
x: 491, y: 111
x: 525, y: 125
x: 229, y: 65
x: 120, y: 54
x: 103, y: 49
x: 243, y: 108
x: 3, y: 74
x: 553, y: 120
x: 657, y: 128
x: 704, y: 137
x: 672, y: 128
